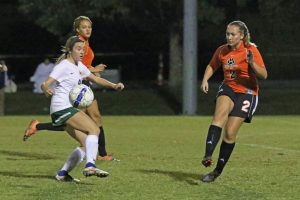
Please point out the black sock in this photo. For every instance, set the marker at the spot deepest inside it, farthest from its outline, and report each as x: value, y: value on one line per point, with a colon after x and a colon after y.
x: 101, y: 143
x: 213, y: 137
x: 225, y: 152
x: 49, y: 126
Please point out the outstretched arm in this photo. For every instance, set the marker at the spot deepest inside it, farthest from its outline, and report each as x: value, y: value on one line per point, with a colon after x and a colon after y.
x: 105, y: 83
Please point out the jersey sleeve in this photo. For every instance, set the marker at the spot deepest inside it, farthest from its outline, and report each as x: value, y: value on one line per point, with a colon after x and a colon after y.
x: 58, y: 73
x: 85, y: 72
x: 215, y: 62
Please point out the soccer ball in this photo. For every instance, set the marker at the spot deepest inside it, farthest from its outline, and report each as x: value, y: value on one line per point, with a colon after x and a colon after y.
x: 81, y: 96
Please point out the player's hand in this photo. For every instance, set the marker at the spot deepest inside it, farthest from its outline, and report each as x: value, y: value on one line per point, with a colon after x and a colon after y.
x: 99, y: 68
x: 119, y: 86
x: 48, y: 92
x: 204, y: 87
x: 3, y: 68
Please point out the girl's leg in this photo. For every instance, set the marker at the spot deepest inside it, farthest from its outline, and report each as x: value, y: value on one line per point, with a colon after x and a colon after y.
x: 82, y: 122
x: 94, y: 112
x: 224, y: 106
x: 232, y: 127
x: 72, y: 161
x: 231, y: 130
x: 35, y: 126
x: 76, y: 157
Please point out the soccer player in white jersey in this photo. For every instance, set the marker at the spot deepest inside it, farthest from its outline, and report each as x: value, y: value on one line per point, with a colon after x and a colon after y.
x: 68, y: 72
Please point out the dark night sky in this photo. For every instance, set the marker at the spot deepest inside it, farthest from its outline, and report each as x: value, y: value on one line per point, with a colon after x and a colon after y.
x: 25, y: 44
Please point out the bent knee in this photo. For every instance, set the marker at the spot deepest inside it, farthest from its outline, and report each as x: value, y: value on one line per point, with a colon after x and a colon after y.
x: 95, y: 131
x: 229, y: 137
x: 96, y: 117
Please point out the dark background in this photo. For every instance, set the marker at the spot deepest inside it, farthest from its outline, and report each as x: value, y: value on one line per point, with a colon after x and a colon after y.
x: 133, y: 43
x: 135, y: 51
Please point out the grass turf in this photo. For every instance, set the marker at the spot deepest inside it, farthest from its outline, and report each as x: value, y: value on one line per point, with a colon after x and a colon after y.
x: 160, y: 159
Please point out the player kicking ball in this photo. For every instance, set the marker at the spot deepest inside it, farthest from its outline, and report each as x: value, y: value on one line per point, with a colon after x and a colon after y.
x: 68, y: 72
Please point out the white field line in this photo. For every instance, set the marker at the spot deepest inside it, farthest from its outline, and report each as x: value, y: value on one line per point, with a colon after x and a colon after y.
x: 271, y: 148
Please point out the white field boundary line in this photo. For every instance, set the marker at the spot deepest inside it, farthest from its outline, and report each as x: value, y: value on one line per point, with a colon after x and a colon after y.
x: 271, y: 148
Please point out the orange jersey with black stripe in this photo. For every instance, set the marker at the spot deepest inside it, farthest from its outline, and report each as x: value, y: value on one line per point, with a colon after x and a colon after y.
x: 238, y: 74
x: 88, y: 56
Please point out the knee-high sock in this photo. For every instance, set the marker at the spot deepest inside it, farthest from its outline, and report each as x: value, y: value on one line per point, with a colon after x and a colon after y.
x: 225, y: 152
x: 49, y: 126
x: 101, y: 142
x: 73, y: 160
x: 213, y: 137
x: 91, y: 145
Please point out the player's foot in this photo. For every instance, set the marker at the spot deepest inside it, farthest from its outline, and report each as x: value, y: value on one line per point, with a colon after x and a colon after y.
x: 108, y: 157
x: 210, y: 177
x: 91, y: 170
x: 63, y: 176
x: 207, y: 161
x: 31, y: 129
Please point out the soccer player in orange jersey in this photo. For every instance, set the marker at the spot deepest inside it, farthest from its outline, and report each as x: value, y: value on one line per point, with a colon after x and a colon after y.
x: 237, y: 96
x: 82, y: 26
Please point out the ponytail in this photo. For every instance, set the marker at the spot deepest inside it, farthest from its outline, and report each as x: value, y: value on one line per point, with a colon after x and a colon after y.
x: 67, y: 48
x: 62, y: 56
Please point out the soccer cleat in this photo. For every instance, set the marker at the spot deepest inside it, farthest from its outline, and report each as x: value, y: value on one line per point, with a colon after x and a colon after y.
x: 207, y: 161
x: 210, y: 177
x: 91, y: 170
x: 106, y: 158
x: 31, y: 129
x: 66, y: 178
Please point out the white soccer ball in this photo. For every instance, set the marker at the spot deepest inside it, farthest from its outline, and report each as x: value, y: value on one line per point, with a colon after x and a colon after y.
x: 81, y: 96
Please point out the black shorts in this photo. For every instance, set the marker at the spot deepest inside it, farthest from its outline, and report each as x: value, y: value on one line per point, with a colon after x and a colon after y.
x: 244, y: 104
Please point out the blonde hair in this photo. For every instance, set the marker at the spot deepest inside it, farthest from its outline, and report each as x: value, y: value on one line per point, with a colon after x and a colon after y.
x: 244, y: 30
x: 68, y: 48
x: 77, y: 22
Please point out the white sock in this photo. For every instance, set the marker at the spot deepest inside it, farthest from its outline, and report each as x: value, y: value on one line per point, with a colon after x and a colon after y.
x: 74, y: 159
x: 91, y: 145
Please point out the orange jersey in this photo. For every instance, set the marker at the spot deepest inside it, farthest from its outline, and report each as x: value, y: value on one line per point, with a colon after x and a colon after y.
x: 88, y: 56
x: 238, y: 75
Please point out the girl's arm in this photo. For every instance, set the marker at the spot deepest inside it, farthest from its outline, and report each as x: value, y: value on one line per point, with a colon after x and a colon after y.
x: 105, y: 83
x: 45, y: 86
x: 98, y: 68
x: 209, y: 71
x: 260, y: 72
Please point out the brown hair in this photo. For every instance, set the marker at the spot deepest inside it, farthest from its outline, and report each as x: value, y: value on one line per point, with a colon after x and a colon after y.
x: 77, y: 22
x: 244, y: 30
x: 67, y: 48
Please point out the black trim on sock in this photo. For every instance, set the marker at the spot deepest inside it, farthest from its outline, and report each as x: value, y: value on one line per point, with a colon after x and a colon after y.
x: 101, y: 143
x: 213, y: 137
x: 49, y: 127
x: 225, y: 153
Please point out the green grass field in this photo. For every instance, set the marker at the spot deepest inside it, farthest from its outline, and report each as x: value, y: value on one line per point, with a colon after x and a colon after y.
x: 159, y: 159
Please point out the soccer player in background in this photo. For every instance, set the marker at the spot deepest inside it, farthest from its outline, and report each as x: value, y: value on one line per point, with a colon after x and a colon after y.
x: 237, y: 97
x: 67, y: 73
x: 3, y: 71
x: 82, y: 26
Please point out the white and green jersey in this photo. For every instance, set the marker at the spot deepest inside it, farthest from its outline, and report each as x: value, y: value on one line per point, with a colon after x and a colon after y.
x: 67, y: 75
